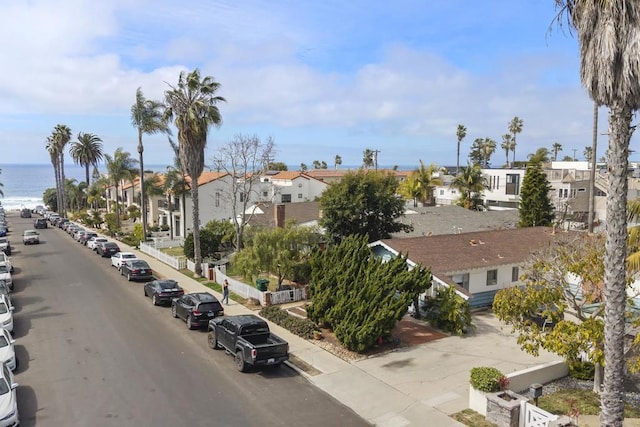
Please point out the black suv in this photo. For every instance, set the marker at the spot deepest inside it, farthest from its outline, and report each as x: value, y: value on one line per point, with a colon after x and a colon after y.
x: 40, y: 223
x: 196, y: 309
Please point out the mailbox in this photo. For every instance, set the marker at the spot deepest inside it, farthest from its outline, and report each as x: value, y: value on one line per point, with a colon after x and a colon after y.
x: 535, y: 390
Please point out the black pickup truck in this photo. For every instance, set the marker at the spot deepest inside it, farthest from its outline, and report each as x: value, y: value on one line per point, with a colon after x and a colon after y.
x: 248, y: 338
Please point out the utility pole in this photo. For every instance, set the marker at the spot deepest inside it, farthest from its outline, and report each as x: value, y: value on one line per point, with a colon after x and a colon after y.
x: 574, y: 154
x: 375, y: 158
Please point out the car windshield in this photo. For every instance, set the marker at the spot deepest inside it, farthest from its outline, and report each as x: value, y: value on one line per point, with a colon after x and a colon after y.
x: 4, y: 387
x: 138, y: 264
x: 3, y: 308
x: 128, y: 256
x: 3, y: 268
x: 168, y: 285
x: 110, y: 245
x: 209, y: 306
x: 30, y: 233
x: 3, y: 240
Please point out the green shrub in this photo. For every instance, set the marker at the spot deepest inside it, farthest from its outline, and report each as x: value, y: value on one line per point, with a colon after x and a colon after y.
x: 449, y: 312
x: 302, y: 327
x: 130, y: 240
x: 486, y: 379
x: 582, y: 370
x: 164, y: 227
x: 301, y: 272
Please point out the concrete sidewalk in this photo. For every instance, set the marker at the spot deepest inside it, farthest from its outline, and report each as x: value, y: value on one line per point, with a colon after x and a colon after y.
x: 413, y: 386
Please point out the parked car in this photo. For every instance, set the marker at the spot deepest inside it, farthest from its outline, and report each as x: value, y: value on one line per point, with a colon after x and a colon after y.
x: 4, y: 258
x: 248, y: 338
x: 108, y: 249
x: 7, y: 352
x: 3, y: 231
x: 93, y: 242
x: 162, y: 291
x: 5, y: 275
x: 5, y: 245
x: 30, y: 237
x: 78, y: 234
x: 136, y: 269
x: 25, y: 213
x: 86, y: 236
x: 40, y: 223
x: 4, y: 290
x: 118, y: 258
x: 6, y: 314
x: 8, y: 401
x: 196, y: 309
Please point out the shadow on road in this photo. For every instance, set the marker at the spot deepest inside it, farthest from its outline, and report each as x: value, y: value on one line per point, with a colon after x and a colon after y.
x: 22, y: 356
x: 27, y: 405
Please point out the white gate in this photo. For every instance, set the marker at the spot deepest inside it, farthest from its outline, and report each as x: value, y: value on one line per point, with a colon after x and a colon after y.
x: 282, y: 297
x: 532, y: 416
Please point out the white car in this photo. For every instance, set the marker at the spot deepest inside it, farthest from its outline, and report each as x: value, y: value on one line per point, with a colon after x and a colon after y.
x: 5, y: 275
x: 91, y: 244
x: 6, y: 315
x: 4, y: 258
x: 30, y: 237
x: 8, y: 401
x: 120, y: 257
x: 7, y: 351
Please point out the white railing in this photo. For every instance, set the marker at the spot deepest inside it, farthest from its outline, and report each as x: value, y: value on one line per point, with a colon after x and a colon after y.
x: 179, y: 263
x: 532, y: 416
x: 292, y: 295
x: 165, y: 242
x: 191, y: 266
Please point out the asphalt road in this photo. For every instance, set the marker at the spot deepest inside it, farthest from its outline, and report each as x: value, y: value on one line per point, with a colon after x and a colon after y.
x: 94, y: 352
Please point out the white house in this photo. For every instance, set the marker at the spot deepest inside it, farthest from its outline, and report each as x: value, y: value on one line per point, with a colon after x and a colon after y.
x: 477, y: 264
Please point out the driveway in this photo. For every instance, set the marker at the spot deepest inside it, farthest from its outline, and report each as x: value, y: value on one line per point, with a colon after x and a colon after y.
x: 437, y: 373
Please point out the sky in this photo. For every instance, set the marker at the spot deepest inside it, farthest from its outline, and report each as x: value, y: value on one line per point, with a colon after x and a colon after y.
x: 322, y: 78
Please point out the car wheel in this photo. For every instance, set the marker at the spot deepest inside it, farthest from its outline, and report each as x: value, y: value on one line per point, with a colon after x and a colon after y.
x: 129, y: 277
x: 189, y: 322
x: 174, y: 310
x: 240, y: 363
x: 212, y: 339
x: 154, y: 299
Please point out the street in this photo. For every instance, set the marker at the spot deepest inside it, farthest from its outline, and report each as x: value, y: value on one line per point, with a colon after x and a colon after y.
x: 94, y: 352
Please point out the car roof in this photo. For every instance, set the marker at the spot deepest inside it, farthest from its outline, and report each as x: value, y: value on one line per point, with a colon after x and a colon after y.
x: 111, y: 244
x: 122, y: 254
x: 204, y: 297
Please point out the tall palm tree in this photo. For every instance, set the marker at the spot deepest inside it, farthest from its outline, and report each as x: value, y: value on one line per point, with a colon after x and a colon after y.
x: 608, y: 32
x: 193, y: 104
x: 86, y: 151
x: 146, y: 116
x: 471, y: 184
x: 488, y: 148
x: 515, y: 127
x: 119, y: 168
x: 367, y: 158
x: 592, y: 172
x: 556, y: 147
x: 62, y: 136
x: 179, y: 185
x: 461, y: 132
x: 507, y: 145
x: 52, y: 148
x: 337, y: 161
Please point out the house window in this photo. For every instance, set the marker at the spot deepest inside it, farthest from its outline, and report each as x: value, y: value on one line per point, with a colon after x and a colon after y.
x: 217, y: 200
x: 299, y: 195
x: 515, y: 274
x: 513, y: 184
x: 461, y: 280
x: 286, y: 198
x: 442, y: 192
x: 492, y: 277
x: 265, y: 194
x: 241, y: 197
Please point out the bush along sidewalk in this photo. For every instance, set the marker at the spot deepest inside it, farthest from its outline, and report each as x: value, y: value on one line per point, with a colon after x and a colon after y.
x: 304, y: 328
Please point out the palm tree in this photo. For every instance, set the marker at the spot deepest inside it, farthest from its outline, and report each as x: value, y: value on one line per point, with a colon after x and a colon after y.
x: 607, y: 35
x: 460, y: 133
x: 52, y: 148
x: 410, y: 189
x: 588, y: 152
x: 119, y: 168
x: 146, y: 116
x: 337, y: 161
x: 86, y: 151
x: 62, y: 136
x: 471, y: 184
x: 540, y: 156
x: 367, y: 158
x: 507, y: 145
x: 556, y: 147
x: 515, y: 127
x: 425, y: 176
x: 488, y: 148
x: 194, y: 106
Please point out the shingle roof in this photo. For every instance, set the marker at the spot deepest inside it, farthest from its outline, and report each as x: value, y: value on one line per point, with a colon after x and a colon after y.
x: 449, y: 253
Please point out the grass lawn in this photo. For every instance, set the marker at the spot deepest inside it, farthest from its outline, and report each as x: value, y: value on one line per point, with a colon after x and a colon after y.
x: 587, y: 402
x: 176, y: 251
x: 469, y: 417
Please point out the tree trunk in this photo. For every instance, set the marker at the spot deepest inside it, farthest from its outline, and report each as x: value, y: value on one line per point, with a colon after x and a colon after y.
x: 197, y: 254
x: 612, y: 401
x: 63, y: 185
x: 183, y: 209
x: 458, y: 159
x: 143, y: 198
x: 592, y: 175
x: 86, y: 173
x: 597, y: 378
x: 117, y: 209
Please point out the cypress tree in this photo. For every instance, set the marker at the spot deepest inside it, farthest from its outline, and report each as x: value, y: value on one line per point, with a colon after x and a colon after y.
x: 535, y: 205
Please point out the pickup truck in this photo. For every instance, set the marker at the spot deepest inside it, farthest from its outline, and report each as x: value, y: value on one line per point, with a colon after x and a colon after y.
x: 248, y: 338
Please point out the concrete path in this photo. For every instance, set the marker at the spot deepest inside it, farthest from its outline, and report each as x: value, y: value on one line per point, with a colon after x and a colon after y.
x: 414, y: 386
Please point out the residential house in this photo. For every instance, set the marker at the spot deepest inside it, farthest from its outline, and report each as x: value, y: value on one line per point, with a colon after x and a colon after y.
x: 477, y: 264
x: 273, y: 215
x: 289, y: 187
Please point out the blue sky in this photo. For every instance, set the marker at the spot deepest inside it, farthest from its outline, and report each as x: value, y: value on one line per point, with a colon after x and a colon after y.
x: 322, y: 78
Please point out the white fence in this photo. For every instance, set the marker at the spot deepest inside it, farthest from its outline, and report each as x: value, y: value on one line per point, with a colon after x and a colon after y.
x: 239, y: 288
x: 532, y: 416
x: 165, y: 242
x: 179, y: 263
x: 191, y: 266
x: 292, y: 295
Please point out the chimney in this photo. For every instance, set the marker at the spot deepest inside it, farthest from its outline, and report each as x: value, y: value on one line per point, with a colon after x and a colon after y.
x: 278, y: 213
